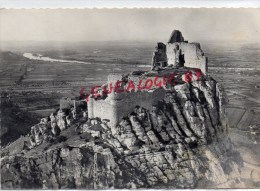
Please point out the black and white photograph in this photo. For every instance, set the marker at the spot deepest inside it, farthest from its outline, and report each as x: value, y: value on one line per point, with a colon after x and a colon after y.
x: 123, y: 98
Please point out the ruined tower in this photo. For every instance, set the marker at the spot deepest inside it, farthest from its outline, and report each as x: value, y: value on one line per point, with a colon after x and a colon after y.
x: 178, y: 52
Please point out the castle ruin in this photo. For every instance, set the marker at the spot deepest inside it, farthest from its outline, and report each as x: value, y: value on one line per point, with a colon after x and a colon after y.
x: 178, y: 53
x: 115, y: 106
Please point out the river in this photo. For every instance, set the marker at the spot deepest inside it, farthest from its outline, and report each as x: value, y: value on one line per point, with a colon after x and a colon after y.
x: 48, y: 59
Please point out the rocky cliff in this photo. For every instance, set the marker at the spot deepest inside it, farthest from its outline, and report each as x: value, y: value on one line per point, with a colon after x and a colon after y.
x: 182, y: 142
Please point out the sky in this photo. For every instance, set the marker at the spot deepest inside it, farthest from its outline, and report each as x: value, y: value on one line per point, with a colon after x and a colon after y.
x: 238, y: 25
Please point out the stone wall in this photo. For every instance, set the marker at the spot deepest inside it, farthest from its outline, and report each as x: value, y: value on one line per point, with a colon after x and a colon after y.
x: 165, y: 56
x: 117, y: 105
x: 193, y: 55
x: 159, y: 55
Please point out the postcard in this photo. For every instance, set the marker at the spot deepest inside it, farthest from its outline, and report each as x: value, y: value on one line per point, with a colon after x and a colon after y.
x: 130, y: 98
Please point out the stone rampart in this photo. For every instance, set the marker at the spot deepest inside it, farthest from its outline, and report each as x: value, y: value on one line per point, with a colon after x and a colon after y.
x: 178, y: 53
x: 193, y: 55
x: 118, y: 105
x: 115, y: 105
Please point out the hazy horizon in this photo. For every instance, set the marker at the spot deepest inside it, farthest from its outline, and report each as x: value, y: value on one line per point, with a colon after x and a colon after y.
x: 129, y: 25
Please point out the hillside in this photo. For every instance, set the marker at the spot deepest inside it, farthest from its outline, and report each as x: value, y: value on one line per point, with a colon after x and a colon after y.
x: 182, y: 143
x: 15, y: 122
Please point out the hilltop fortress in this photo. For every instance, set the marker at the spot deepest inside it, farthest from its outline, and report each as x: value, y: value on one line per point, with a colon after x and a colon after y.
x: 178, y: 52
x: 164, y: 128
x: 176, y: 58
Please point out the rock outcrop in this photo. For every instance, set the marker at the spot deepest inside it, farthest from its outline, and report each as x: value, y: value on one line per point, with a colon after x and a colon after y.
x: 181, y: 142
x: 170, y: 136
x: 176, y: 36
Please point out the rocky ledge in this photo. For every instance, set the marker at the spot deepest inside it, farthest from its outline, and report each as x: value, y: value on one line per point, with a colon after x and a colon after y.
x: 181, y: 143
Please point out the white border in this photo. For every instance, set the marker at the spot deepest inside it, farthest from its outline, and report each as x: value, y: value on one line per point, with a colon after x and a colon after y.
x: 80, y: 4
